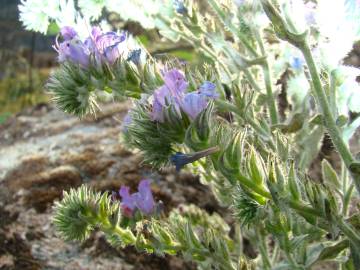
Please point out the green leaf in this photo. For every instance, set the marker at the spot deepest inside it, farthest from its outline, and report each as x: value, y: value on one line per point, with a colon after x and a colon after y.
x: 341, y: 121
x: 330, y: 176
x: 297, y: 241
x: 53, y: 29
x: 324, y: 251
x: 355, y: 255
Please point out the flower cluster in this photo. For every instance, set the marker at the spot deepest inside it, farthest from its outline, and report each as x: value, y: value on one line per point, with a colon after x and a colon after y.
x: 142, y: 200
x: 104, y: 47
x: 174, y: 93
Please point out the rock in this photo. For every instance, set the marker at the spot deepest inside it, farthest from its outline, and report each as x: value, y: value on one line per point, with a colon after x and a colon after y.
x: 41, y: 188
x: 16, y: 254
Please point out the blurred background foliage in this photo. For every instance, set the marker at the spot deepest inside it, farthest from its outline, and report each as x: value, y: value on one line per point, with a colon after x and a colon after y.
x: 27, y: 58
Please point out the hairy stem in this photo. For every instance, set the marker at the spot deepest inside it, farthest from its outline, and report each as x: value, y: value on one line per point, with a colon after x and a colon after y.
x: 268, y: 82
x: 329, y: 120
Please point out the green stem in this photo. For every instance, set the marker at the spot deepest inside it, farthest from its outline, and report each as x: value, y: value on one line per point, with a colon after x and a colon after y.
x: 251, y: 80
x: 349, y: 231
x: 263, y: 250
x: 260, y: 130
x: 300, y: 207
x: 332, y: 96
x: 236, y: 32
x: 251, y: 185
x: 268, y: 82
x: 329, y: 120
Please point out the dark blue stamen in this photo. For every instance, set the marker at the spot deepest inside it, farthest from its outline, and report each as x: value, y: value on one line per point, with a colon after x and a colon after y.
x: 179, y: 7
x: 181, y: 159
x: 134, y: 56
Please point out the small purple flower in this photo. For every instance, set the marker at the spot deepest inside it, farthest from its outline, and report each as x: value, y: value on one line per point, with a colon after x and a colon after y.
x: 128, y: 202
x: 90, y: 41
x: 170, y: 94
x: 162, y: 98
x: 96, y: 32
x: 112, y: 53
x: 108, y: 39
x: 106, y: 47
x: 208, y: 89
x: 173, y: 93
x: 179, y: 7
x: 75, y: 51
x: 176, y: 82
x: 194, y: 103
x: 68, y: 32
x: 157, y: 113
x: 142, y: 200
x: 110, y: 45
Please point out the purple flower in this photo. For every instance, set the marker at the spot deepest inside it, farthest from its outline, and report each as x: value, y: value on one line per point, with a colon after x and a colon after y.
x: 68, y: 33
x: 109, y: 45
x: 162, y: 98
x: 75, y: 51
x: 103, y: 41
x: 157, y: 113
x: 96, y: 32
x: 142, y: 200
x: 208, y: 89
x: 194, y: 103
x: 176, y: 82
x: 170, y: 94
x: 128, y: 202
x: 173, y: 93
x: 106, y: 47
x: 90, y: 41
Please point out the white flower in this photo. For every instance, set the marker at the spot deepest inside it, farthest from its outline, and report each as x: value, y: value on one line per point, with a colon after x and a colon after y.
x: 91, y: 8
x: 298, y: 88
x: 339, y: 27
x: 348, y: 94
x: 35, y: 14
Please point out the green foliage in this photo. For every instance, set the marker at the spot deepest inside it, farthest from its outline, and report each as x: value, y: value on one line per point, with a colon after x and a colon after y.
x: 156, y: 140
x: 4, y: 116
x: 73, y: 214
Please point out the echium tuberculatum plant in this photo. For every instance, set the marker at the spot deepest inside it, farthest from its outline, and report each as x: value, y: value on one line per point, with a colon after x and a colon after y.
x: 250, y: 122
